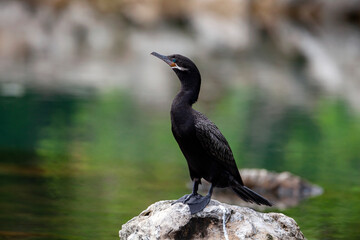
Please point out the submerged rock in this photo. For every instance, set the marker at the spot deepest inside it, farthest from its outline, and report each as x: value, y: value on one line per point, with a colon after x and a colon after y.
x: 218, y: 220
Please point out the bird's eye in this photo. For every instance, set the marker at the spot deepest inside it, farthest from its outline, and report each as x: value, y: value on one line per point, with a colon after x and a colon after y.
x: 173, y: 60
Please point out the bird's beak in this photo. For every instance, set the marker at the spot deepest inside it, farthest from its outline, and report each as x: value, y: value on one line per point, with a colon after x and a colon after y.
x: 164, y: 58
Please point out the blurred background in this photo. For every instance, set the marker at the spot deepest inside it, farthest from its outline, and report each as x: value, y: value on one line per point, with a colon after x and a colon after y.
x: 85, y: 140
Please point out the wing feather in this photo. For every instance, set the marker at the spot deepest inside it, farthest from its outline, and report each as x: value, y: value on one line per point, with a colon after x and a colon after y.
x: 212, y: 140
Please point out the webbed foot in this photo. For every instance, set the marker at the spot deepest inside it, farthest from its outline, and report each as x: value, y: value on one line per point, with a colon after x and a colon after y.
x: 184, y: 198
x: 196, y: 202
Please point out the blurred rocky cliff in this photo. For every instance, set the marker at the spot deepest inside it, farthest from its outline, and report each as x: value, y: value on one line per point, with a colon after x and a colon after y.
x: 291, y: 49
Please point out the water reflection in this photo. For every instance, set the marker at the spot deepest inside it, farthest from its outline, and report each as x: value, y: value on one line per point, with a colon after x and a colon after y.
x: 78, y: 167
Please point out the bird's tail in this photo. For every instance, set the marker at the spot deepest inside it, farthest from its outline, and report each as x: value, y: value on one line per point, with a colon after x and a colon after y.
x: 249, y: 195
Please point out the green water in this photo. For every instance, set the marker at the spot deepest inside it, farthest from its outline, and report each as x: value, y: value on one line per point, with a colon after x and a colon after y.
x: 78, y: 167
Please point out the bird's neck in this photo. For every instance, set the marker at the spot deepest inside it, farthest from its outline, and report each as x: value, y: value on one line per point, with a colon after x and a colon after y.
x: 189, y: 92
x: 181, y: 108
x: 185, y: 98
x: 190, y: 88
x: 181, y: 111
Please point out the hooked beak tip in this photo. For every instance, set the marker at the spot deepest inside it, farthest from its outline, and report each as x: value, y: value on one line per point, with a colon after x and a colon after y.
x: 158, y: 55
x: 164, y: 58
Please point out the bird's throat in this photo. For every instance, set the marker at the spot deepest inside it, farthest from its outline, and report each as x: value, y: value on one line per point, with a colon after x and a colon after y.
x: 185, y: 98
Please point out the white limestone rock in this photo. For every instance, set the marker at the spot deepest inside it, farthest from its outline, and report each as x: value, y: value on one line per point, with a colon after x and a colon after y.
x: 162, y: 220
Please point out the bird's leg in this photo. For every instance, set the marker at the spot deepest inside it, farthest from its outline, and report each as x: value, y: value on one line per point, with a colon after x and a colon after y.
x: 198, y: 203
x: 195, y: 186
x: 194, y: 193
x: 209, y: 194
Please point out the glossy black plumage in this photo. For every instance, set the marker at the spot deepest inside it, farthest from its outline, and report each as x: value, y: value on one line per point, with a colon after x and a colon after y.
x: 206, y: 150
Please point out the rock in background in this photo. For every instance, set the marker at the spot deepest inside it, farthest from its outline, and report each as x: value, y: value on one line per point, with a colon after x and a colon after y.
x: 162, y: 220
x: 283, y: 189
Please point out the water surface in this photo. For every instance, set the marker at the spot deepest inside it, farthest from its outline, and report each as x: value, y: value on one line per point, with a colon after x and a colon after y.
x: 79, y: 166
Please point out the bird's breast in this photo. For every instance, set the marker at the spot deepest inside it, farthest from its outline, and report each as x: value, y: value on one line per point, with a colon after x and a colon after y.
x: 182, y: 129
x: 182, y: 124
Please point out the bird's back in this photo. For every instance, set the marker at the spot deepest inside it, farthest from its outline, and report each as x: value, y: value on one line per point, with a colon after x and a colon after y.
x: 216, y: 147
x: 206, y: 150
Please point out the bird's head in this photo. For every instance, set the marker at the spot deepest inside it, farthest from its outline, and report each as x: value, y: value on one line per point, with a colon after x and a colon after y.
x: 176, y: 61
x: 184, y: 68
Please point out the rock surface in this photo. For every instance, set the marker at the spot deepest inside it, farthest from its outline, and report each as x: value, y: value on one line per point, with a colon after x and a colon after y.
x: 162, y: 220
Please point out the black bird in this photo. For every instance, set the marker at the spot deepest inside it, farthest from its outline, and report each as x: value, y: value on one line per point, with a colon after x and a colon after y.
x: 206, y: 150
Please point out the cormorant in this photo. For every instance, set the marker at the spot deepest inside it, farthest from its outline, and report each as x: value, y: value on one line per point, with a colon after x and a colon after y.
x: 206, y: 150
